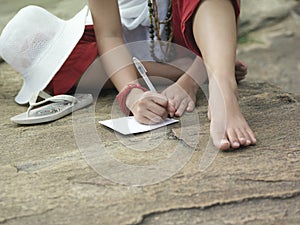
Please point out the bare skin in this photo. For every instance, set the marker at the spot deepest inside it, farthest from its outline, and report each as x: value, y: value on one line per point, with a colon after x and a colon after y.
x: 147, y: 108
x: 182, y: 94
x: 228, y: 129
x: 213, y: 19
x: 240, y: 70
x: 218, y: 17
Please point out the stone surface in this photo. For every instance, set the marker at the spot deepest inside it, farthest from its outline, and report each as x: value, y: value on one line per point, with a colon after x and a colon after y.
x: 263, y: 13
x: 46, y: 177
x: 271, y: 53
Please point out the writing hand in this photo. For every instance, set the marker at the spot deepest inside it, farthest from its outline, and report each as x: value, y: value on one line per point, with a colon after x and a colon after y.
x: 148, y: 107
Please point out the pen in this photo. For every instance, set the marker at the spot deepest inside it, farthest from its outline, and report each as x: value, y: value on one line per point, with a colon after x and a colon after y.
x: 142, y: 70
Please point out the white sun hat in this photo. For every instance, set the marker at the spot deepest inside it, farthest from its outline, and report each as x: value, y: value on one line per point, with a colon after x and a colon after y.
x: 36, y: 43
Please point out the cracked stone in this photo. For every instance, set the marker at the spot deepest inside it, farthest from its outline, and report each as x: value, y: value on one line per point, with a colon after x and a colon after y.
x: 47, y: 179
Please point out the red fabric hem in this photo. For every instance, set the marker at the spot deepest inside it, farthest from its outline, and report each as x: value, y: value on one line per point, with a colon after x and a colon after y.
x: 83, y: 54
x: 183, y: 12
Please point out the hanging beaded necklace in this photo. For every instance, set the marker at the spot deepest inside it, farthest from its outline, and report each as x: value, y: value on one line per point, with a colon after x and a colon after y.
x: 154, y: 30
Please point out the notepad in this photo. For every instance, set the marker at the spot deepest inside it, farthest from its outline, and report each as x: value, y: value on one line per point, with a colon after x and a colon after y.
x: 128, y: 125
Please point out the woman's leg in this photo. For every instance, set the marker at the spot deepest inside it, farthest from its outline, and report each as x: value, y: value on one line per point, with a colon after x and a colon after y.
x: 214, y: 28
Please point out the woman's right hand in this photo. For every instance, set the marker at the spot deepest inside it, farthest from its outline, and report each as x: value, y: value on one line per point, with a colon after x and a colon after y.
x: 147, y: 107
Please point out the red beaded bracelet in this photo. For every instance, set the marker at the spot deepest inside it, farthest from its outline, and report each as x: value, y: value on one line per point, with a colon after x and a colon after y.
x: 121, y: 97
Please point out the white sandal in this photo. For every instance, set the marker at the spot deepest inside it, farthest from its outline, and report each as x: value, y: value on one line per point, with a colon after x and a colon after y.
x: 59, y: 106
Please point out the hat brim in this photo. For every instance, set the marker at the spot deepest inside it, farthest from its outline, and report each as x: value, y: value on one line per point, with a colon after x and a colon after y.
x: 43, y: 72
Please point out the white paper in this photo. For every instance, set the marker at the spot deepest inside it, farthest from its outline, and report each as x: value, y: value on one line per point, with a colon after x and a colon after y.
x: 128, y: 125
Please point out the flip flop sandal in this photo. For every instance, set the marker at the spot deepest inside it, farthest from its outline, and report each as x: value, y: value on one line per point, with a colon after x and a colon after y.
x: 51, y: 108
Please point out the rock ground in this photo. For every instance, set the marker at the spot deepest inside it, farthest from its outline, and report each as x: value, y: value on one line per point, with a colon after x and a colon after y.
x: 47, y: 179
x: 272, y: 53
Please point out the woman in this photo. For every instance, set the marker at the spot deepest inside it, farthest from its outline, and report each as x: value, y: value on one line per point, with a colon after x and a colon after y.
x: 205, y: 27
x: 211, y: 32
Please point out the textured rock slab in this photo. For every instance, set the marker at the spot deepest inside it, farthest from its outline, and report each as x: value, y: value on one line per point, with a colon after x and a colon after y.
x: 45, y: 178
x: 263, y: 13
x: 271, y: 56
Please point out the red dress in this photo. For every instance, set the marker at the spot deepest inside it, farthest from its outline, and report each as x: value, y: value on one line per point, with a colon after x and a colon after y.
x: 183, y: 12
x: 86, y: 50
x: 76, y: 64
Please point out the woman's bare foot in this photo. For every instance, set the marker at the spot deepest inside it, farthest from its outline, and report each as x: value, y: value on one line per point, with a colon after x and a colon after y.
x: 241, y: 70
x: 228, y: 127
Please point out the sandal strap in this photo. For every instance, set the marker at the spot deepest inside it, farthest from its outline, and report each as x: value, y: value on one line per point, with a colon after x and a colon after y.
x: 49, y: 98
x: 44, y: 94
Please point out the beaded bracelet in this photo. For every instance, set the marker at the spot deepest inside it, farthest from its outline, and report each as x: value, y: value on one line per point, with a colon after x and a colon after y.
x: 121, y: 97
